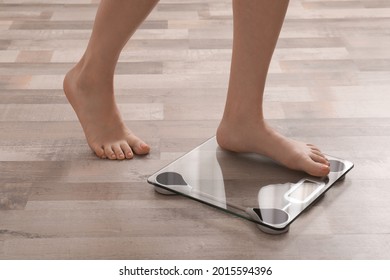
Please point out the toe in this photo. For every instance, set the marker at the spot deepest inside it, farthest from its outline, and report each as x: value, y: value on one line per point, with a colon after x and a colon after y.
x: 315, y: 168
x: 318, y: 158
x: 109, y: 152
x: 313, y: 148
x: 142, y: 148
x: 318, y: 152
x: 139, y: 147
x: 118, y: 151
x: 127, y: 150
x: 99, y: 151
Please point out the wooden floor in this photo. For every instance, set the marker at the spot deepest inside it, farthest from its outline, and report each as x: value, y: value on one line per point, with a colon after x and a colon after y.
x: 329, y: 84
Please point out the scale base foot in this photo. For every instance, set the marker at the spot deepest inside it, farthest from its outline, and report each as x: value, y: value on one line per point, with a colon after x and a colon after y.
x: 163, y: 191
x: 272, y: 231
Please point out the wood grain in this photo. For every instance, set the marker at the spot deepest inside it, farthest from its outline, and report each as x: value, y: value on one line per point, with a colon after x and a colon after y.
x: 328, y: 84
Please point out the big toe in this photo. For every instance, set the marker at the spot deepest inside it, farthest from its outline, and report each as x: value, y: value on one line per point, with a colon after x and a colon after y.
x: 314, y: 168
x: 138, y: 146
x: 142, y: 149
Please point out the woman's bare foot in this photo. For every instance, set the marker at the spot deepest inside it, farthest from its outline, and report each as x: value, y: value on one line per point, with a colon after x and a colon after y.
x: 260, y: 138
x: 94, y: 104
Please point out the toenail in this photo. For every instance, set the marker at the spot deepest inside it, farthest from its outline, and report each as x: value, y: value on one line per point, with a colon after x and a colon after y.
x: 143, y: 146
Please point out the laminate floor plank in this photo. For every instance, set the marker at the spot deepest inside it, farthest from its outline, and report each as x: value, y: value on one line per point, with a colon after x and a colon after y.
x: 328, y: 84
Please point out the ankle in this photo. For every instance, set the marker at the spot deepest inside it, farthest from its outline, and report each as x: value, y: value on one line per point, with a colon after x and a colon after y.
x: 243, y: 120
x: 86, y: 77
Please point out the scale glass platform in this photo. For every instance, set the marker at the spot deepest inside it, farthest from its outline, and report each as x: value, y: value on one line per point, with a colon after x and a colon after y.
x: 247, y: 185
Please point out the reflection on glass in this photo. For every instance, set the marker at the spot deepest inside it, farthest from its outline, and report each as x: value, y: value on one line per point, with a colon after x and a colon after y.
x: 247, y: 185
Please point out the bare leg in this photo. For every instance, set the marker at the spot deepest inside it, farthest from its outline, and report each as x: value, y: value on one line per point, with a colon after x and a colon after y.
x: 257, y: 24
x: 89, y: 85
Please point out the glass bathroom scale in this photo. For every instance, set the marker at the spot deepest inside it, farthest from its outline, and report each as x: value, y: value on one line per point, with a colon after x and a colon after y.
x: 246, y: 185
